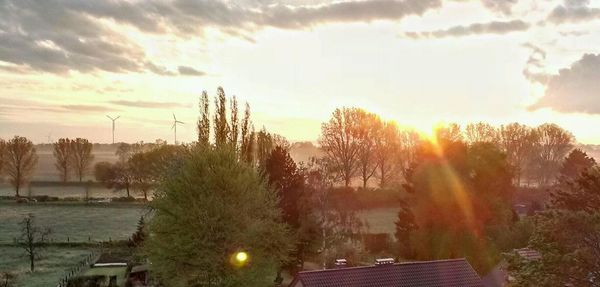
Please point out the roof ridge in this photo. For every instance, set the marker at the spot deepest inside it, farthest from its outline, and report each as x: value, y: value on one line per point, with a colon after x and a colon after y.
x: 380, y: 266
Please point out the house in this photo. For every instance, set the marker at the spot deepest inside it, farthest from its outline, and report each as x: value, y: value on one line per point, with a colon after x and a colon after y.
x: 448, y: 273
x: 107, y: 271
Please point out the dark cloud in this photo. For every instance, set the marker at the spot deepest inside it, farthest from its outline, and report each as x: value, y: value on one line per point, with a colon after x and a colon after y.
x: 495, y: 27
x: 150, y: 104
x: 59, y: 36
x: 574, y: 89
x: 573, y: 11
x: 189, y: 71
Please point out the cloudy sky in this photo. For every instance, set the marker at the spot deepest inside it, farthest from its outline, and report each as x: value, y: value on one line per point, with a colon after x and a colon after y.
x: 65, y: 64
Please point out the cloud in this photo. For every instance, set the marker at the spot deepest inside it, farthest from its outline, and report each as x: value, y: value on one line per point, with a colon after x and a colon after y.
x: 189, y: 71
x: 501, y: 6
x: 59, y: 36
x: 534, y: 68
x: 87, y: 108
x: 572, y: 11
x: 150, y: 104
x: 574, y: 89
x: 494, y: 27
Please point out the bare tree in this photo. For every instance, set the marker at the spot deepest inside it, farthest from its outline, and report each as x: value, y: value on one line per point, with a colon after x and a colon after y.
x: 449, y: 133
x: 387, y: 147
x: 62, y: 155
x: 21, y: 160
x: 368, y: 128
x: 555, y: 143
x: 518, y: 142
x: 2, y: 156
x: 340, y: 142
x: 82, y: 156
x: 409, y: 143
x: 481, y: 132
x: 32, y: 239
x: 6, y: 279
x: 204, y: 121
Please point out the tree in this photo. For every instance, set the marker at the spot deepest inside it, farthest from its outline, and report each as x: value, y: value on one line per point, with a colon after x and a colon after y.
x: 405, y: 226
x: 116, y: 176
x: 21, y: 160
x: 62, y: 155
x: 387, y: 148
x: 141, y: 173
x: 448, y: 134
x: 481, y: 132
x: 554, y: 143
x: 137, y: 238
x: 248, y: 138
x: 220, y: 120
x: 2, y: 156
x: 6, y: 279
x: 82, y: 156
x: 341, y: 143
x: 32, y: 239
x: 519, y: 142
x: 204, y: 121
x: 369, y: 128
x: 208, y: 209
x: 458, y: 195
x: 234, y: 126
x: 575, y: 163
x: 285, y: 177
x: 579, y: 194
x: 264, y: 146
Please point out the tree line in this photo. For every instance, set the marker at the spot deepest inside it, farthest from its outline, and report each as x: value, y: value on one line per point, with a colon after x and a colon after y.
x: 360, y: 145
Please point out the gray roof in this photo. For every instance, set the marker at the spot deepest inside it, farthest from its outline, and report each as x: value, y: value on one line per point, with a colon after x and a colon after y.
x: 440, y: 273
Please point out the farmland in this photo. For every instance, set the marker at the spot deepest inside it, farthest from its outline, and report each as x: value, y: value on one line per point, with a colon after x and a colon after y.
x: 55, y: 262
x: 76, y: 221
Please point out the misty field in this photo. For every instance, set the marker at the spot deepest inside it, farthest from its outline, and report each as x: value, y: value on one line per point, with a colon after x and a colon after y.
x: 53, y: 265
x: 76, y: 221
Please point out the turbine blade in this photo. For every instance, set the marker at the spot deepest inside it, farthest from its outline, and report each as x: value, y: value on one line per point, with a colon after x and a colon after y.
x: 117, y: 117
x: 174, y: 117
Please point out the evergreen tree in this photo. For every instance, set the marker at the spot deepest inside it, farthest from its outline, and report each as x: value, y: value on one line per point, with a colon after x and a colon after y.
x: 137, y: 239
x: 575, y: 163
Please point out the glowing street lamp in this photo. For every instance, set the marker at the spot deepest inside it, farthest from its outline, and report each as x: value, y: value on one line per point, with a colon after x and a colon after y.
x: 239, y: 259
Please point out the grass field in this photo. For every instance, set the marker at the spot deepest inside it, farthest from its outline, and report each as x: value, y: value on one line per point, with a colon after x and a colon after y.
x: 75, y: 221
x: 50, y: 268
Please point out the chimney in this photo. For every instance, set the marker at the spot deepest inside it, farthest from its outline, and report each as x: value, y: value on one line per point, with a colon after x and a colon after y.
x: 384, y: 261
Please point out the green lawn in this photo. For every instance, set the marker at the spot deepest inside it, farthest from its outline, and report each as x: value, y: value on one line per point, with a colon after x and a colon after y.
x: 53, y: 265
x: 75, y: 221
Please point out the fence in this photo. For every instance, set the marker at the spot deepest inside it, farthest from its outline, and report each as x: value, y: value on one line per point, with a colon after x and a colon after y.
x: 84, y: 263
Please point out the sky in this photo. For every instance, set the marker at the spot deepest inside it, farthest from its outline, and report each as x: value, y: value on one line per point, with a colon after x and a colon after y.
x: 66, y: 64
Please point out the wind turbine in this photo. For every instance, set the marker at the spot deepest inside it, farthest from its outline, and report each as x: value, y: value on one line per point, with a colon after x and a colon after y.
x: 113, y: 126
x: 174, y: 127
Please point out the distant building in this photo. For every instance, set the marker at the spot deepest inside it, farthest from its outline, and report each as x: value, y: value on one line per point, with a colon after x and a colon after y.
x: 446, y: 273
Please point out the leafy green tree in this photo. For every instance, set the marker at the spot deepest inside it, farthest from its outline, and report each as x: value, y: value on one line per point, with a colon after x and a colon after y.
x: 63, y: 154
x: 247, y: 137
x: 220, y: 120
x: 459, y: 193
x: 566, y: 235
x: 21, y: 160
x: 575, y: 163
x: 211, y: 206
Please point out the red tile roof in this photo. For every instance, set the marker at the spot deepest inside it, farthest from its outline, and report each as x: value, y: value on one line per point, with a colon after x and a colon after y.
x: 440, y: 273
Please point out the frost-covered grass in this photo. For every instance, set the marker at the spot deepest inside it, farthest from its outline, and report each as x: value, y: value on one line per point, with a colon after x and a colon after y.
x: 76, y: 221
x: 53, y: 265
